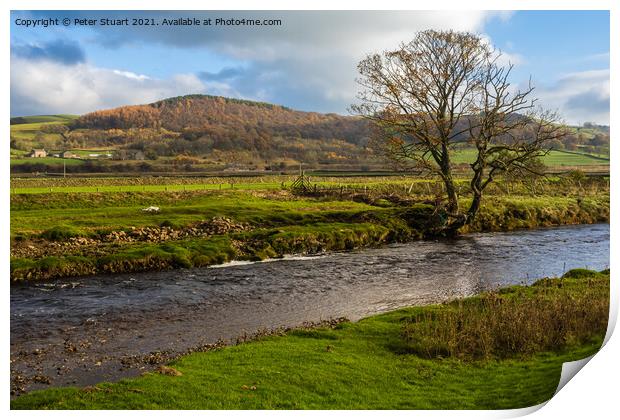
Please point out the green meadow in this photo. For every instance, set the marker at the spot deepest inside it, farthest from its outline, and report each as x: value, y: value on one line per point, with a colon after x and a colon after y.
x: 555, y: 158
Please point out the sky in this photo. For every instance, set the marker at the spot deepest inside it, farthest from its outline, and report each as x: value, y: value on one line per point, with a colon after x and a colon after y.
x: 306, y: 63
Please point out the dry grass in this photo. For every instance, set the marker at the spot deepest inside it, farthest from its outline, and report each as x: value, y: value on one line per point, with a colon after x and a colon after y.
x: 551, y: 315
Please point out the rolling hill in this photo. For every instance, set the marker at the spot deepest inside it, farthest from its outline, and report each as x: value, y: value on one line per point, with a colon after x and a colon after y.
x: 200, y: 132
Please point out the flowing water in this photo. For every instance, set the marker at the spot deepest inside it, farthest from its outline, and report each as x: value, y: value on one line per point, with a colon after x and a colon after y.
x: 83, y: 330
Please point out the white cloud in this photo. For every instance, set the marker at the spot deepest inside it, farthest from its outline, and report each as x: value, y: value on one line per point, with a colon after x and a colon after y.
x: 131, y: 75
x: 48, y: 87
x: 307, y: 63
x: 579, y: 97
x: 596, y: 57
x: 505, y: 58
x: 311, y: 64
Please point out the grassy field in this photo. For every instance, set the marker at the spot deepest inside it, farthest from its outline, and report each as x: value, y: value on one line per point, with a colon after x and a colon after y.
x: 29, y: 131
x: 47, y: 161
x: 31, y: 126
x: 392, y: 183
x: 253, y: 186
x: 45, y: 119
x: 197, y: 184
x: 555, y: 158
x: 275, y: 221
x: 89, y: 206
x: 91, y: 212
x: 566, y: 158
x: 376, y: 363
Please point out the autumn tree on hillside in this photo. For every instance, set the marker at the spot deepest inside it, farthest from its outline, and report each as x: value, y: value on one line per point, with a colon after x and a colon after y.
x: 448, y: 89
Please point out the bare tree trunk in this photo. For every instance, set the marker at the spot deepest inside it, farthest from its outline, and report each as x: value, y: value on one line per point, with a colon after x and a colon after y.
x: 446, y: 171
x: 475, y: 206
x: 455, y: 219
x: 453, y: 199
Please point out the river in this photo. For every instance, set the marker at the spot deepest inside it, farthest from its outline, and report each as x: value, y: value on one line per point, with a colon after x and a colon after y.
x: 83, y: 330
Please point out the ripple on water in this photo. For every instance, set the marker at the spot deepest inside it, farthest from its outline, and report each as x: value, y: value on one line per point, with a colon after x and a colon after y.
x: 302, y: 288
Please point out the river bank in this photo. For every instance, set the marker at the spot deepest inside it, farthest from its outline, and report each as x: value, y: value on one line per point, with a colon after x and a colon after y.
x: 108, y: 233
x: 84, y: 330
x: 387, y: 361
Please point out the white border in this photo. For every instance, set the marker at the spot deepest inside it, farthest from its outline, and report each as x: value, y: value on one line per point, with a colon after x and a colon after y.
x: 593, y: 393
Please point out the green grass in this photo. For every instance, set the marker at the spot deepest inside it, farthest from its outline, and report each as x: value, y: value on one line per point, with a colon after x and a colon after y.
x: 129, y: 188
x: 27, y: 131
x: 565, y: 158
x: 88, y: 213
x: 58, y: 118
x: 53, y: 161
x: 363, y: 365
x: 554, y: 158
x: 32, y: 126
x: 256, y: 183
x: 558, y: 185
x: 253, y: 186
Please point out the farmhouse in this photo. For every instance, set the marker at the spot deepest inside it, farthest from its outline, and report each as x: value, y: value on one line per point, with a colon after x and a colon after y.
x: 38, y: 153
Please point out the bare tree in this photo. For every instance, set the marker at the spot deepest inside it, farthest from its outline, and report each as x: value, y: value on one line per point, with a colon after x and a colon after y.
x: 447, y: 89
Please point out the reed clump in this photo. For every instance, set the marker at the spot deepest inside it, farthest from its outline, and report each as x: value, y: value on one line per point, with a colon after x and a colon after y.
x: 551, y: 315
